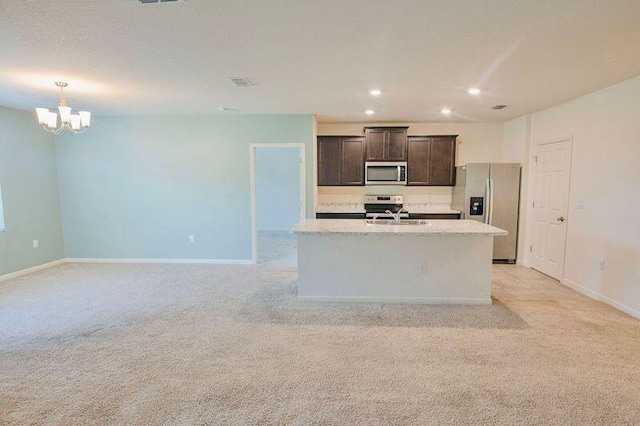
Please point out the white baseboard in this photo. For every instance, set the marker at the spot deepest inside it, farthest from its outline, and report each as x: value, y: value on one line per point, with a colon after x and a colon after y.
x: 30, y: 270
x: 580, y: 288
x: 597, y: 296
x: 417, y: 300
x: 144, y: 260
x: 624, y: 308
x: 123, y: 260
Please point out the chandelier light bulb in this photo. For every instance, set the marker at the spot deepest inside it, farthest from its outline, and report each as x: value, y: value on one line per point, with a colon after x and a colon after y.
x: 85, y: 118
x: 75, y: 121
x: 65, y: 114
x: 52, y: 120
x: 43, y: 115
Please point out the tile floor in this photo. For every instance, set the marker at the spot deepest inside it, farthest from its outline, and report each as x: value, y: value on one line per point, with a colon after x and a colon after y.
x: 510, y: 282
x: 514, y: 282
x: 277, y: 248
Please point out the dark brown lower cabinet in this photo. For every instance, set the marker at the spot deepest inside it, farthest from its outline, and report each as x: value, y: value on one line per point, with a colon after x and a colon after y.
x: 434, y: 215
x: 431, y: 160
x: 411, y: 215
x: 340, y: 215
x: 340, y: 161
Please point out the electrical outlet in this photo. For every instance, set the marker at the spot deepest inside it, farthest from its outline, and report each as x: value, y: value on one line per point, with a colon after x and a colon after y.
x: 36, y: 243
x: 602, y: 264
x: 423, y: 268
x: 580, y: 204
x: 192, y: 238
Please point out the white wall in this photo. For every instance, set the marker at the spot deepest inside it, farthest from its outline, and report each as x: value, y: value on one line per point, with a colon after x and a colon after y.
x: 277, y: 188
x: 515, y: 139
x: 605, y: 126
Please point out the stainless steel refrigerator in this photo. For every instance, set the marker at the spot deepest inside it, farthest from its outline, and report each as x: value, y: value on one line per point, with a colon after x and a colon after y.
x: 490, y: 193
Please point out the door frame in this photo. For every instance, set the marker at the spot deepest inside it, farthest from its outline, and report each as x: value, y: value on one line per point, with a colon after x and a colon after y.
x: 533, y: 176
x: 252, y: 178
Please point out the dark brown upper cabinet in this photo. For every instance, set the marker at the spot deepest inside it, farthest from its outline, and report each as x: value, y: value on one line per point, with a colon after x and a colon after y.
x: 431, y: 160
x: 385, y: 143
x: 340, y: 160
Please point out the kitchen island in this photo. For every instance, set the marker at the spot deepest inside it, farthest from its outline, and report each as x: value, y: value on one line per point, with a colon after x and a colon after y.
x: 440, y: 261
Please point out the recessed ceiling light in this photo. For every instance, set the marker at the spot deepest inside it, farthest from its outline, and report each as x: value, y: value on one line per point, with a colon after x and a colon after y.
x: 445, y: 111
x: 474, y: 91
x: 376, y: 92
x: 369, y: 112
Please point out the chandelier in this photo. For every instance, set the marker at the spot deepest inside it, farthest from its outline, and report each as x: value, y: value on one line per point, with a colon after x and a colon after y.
x: 73, y: 123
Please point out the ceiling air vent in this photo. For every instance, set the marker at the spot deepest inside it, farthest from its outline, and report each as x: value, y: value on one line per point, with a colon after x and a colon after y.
x: 159, y: 1
x: 241, y: 81
x: 498, y: 107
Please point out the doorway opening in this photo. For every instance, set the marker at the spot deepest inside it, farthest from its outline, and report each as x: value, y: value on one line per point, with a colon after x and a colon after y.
x: 277, y: 201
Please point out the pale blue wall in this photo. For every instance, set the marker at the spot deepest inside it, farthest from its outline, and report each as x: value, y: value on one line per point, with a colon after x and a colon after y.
x: 29, y: 192
x: 277, y: 188
x: 136, y: 187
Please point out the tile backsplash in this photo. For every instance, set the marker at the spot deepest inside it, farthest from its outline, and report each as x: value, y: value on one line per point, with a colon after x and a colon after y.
x: 440, y: 195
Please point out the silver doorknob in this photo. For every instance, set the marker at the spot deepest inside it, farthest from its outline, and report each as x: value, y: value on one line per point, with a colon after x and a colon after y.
x: 560, y: 219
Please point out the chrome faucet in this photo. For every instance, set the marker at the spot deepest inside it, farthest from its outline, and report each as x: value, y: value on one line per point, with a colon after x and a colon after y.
x: 396, y: 216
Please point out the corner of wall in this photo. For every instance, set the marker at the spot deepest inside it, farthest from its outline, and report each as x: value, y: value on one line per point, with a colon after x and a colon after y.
x: 311, y: 212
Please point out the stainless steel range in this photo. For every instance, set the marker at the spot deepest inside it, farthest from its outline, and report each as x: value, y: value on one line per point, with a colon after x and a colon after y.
x: 376, y: 206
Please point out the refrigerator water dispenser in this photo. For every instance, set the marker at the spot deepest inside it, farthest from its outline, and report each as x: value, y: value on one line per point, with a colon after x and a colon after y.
x: 476, y: 206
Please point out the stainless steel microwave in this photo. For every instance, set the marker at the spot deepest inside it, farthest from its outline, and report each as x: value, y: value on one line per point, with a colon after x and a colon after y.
x: 385, y: 173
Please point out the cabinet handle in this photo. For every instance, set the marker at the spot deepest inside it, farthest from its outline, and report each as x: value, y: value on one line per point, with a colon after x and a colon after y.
x: 560, y: 219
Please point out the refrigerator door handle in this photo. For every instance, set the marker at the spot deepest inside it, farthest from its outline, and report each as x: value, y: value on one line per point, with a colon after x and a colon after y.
x: 487, y: 194
x: 490, y: 201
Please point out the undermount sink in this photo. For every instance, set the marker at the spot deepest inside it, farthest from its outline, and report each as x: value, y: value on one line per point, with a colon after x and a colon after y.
x: 393, y: 222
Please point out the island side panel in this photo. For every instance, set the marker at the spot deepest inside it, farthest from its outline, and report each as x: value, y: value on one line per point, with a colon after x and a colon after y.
x: 389, y: 268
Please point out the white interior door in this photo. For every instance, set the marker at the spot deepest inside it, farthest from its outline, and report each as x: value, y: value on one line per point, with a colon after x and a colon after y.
x: 551, y: 200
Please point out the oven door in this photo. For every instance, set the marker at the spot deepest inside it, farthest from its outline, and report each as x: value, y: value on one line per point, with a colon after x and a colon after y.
x: 394, y: 173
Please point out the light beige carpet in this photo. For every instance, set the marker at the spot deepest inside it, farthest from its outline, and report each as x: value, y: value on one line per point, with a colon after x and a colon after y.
x: 96, y: 344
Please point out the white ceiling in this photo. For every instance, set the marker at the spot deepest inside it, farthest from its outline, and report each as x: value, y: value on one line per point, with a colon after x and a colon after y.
x: 316, y: 56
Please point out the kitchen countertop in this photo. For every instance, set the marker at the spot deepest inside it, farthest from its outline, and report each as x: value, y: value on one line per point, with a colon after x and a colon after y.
x: 358, y: 227
x: 422, y: 208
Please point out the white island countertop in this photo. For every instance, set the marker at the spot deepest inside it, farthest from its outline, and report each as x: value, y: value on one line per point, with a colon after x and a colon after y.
x: 359, y: 227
